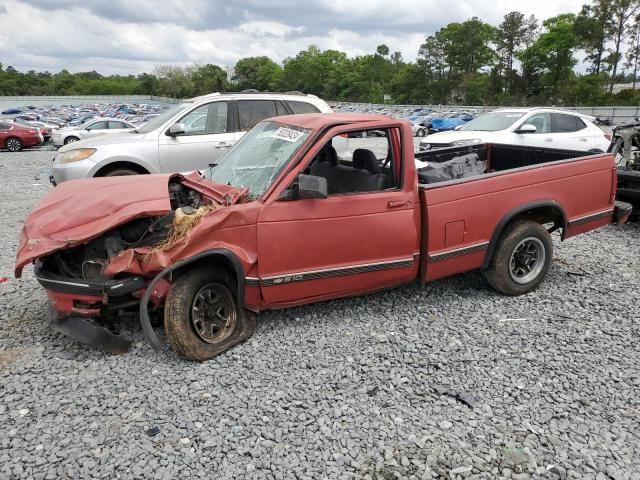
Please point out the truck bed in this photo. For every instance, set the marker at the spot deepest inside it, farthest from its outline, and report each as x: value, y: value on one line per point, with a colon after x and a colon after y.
x: 460, y: 217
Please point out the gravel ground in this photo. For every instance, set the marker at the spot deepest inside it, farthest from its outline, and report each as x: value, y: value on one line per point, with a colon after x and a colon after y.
x: 445, y: 380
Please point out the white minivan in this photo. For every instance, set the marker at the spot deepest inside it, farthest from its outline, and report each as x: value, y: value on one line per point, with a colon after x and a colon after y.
x: 189, y: 136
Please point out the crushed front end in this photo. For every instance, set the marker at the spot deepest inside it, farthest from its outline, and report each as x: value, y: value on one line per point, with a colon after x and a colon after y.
x: 95, y: 252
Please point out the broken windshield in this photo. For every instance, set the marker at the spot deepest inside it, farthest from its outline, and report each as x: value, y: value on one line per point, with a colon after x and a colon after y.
x: 256, y: 160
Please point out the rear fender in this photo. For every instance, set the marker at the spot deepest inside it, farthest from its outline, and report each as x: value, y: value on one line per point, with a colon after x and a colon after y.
x: 522, y: 210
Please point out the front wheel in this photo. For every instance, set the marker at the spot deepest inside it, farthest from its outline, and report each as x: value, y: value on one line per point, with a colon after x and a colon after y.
x: 522, y: 258
x: 14, y: 144
x: 120, y: 172
x: 202, y: 317
x: 363, y: 134
x: 421, y: 133
x: 69, y: 140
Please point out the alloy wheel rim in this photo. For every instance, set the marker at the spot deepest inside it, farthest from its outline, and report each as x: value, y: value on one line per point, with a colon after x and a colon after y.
x: 213, y: 313
x: 527, y: 260
x: 13, y: 145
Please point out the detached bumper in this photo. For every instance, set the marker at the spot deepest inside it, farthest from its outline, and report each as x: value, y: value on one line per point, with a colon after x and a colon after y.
x: 85, y: 330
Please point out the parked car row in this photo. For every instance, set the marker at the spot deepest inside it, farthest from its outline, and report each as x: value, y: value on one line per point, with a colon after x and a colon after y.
x: 68, y: 123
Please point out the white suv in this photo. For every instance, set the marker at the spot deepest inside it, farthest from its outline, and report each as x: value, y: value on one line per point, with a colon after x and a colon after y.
x: 190, y: 136
x: 535, y: 127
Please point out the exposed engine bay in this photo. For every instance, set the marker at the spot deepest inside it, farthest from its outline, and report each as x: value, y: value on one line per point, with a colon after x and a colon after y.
x: 88, y: 261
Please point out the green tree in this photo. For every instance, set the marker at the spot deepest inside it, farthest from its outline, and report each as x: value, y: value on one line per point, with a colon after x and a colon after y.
x: 382, y: 50
x: 623, y: 12
x: 633, y: 52
x: 467, y: 45
x: 593, y: 26
x: 260, y: 73
x: 549, y: 60
x: 513, y: 35
x: 207, y: 79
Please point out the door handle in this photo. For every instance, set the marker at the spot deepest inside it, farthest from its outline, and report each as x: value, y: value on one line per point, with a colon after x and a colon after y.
x: 223, y: 145
x: 584, y: 139
x: 398, y: 203
x: 548, y: 139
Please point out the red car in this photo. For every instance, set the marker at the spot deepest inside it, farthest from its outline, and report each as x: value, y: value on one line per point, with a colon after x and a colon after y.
x: 15, y: 137
x: 284, y: 221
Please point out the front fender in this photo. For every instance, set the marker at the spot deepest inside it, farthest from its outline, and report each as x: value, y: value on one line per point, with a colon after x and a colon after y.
x: 221, y: 253
x: 107, y: 160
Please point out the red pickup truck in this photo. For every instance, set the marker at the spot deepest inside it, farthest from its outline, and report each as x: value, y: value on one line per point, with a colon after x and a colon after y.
x: 283, y: 221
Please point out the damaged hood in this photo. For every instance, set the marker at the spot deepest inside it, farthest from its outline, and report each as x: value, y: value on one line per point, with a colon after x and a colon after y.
x: 78, y: 211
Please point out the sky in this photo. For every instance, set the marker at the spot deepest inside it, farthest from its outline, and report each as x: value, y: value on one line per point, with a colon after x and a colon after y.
x: 132, y: 36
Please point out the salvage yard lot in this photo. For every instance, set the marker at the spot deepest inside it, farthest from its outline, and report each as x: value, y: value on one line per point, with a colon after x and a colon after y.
x: 444, y: 380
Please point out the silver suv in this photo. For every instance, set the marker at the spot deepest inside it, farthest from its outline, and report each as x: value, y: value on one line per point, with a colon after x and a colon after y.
x: 189, y: 136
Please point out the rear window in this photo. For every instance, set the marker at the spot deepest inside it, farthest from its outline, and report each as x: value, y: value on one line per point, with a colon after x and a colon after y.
x: 303, y: 107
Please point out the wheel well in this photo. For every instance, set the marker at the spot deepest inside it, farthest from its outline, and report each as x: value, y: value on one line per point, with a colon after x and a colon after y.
x: 118, y: 165
x: 223, y: 260
x: 540, y: 213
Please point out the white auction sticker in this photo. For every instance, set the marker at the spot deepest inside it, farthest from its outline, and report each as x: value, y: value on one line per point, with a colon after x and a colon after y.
x: 287, y: 134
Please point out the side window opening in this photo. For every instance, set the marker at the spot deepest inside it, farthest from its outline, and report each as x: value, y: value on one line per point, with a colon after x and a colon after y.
x: 252, y: 112
x: 562, y: 123
x: 366, y: 164
x: 542, y: 122
x: 206, y: 119
x: 98, y: 126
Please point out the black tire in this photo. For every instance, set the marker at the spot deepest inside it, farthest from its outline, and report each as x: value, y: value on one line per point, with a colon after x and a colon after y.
x: 13, y: 144
x: 120, y: 172
x: 198, y: 336
x: 70, y: 139
x: 514, y: 277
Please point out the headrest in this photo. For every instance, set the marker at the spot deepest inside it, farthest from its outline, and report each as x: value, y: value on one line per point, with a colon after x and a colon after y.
x: 364, y: 159
x: 328, y: 154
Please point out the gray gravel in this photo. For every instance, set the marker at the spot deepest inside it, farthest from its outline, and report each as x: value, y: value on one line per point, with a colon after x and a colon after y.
x: 446, y: 380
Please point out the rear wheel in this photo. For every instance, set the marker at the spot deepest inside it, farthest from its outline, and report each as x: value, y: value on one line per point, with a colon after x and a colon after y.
x: 363, y: 134
x: 202, y: 317
x: 522, y: 258
x: 13, y: 144
x: 420, y: 133
x: 70, y: 140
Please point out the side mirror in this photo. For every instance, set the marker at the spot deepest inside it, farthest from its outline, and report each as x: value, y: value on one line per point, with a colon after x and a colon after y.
x: 527, y: 128
x: 176, y: 129
x: 306, y: 187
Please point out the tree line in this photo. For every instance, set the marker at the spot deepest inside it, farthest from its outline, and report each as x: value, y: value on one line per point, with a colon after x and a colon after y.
x: 521, y: 61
